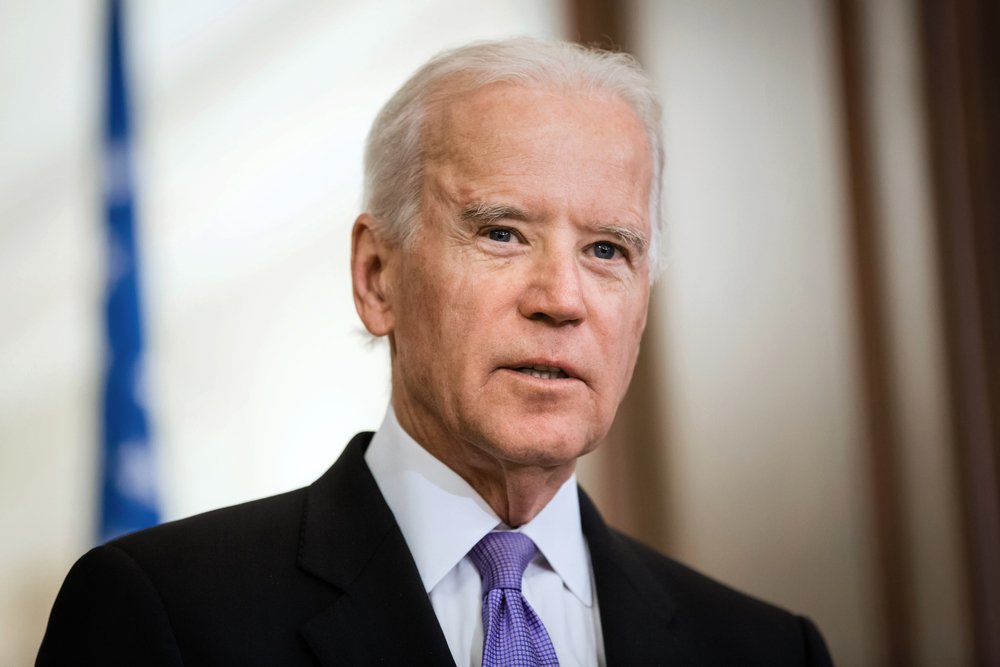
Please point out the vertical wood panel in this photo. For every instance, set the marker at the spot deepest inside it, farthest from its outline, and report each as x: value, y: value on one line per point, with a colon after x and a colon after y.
x: 961, y: 74
x: 881, y: 440
x: 600, y: 22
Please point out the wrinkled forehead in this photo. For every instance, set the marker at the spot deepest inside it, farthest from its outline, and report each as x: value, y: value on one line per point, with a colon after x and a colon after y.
x: 542, y: 153
x: 460, y: 117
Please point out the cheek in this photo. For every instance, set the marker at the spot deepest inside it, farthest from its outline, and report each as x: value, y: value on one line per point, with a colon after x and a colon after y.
x: 430, y: 330
x: 625, y: 341
x: 416, y: 314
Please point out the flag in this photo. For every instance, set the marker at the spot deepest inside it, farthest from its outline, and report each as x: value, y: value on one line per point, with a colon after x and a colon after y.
x: 128, y: 488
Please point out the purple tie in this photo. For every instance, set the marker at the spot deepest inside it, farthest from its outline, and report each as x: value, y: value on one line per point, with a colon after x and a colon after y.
x: 512, y: 632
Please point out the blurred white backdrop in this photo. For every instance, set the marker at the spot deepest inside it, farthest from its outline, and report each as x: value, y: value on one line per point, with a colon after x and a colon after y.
x: 250, y: 118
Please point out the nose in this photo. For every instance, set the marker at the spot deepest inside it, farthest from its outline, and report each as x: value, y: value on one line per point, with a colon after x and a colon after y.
x: 554, y: 292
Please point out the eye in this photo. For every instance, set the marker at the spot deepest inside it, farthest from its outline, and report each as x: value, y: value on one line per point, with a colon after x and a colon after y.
x: 605, y: 250
x: 501, y: 235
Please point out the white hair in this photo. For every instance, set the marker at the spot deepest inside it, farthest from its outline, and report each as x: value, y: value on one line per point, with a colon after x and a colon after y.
x: 395, y: 151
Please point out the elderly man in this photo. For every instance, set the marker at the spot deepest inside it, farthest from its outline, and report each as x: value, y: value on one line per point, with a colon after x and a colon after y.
x: 506, y: 251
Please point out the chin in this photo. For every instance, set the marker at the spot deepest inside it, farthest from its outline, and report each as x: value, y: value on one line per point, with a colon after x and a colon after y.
x: 547, y: 446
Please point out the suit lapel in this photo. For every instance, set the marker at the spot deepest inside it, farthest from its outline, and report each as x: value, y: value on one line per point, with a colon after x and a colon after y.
x: 636, y: 612
x: 381, y: 614
x: 350, y: 539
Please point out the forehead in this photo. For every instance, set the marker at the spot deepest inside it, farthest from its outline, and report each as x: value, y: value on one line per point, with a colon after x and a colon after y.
x: 565, y: 137
x: 496, y: 112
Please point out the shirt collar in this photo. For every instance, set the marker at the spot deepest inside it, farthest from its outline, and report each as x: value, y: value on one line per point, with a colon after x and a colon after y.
x: 442, y: 517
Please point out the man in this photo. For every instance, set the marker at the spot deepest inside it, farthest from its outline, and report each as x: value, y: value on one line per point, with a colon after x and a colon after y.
x: 506, y: 251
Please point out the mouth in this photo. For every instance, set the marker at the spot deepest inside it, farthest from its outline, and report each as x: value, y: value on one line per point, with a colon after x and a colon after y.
x: 542, y: 372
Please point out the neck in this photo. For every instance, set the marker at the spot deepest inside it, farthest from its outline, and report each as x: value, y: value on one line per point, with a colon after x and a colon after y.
x: 516, y: 490
x: 516, y: 493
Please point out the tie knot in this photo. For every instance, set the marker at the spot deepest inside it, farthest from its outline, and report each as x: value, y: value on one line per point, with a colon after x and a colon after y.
x: 501, y: 559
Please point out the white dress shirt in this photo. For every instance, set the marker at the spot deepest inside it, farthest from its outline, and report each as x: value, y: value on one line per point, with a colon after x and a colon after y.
x: 442, y: 518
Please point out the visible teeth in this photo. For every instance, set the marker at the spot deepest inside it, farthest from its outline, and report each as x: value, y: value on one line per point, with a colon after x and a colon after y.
x: 543, y: 372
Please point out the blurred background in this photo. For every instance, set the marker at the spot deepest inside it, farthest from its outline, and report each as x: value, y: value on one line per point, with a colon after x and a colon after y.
x: 815, y: 415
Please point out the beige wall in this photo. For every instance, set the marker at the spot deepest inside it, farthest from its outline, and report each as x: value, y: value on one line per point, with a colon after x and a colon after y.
x: 766, y: 483
x: 766, y: 480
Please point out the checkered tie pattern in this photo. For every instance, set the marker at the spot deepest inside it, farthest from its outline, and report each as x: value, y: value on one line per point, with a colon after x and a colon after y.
x: 513, y: 635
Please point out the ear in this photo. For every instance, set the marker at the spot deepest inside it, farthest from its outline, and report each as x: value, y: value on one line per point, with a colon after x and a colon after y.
x: 371, y: 271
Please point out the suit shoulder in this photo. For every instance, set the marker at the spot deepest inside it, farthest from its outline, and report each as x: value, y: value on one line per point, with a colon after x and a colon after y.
x: 687, y: 584
x: 226, y: 538
x: 243, y: 519
x: 709, y: 608
x: 107, y: 594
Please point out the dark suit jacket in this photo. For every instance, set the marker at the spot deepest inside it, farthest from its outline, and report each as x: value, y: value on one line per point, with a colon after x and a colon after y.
x: 322, y: 575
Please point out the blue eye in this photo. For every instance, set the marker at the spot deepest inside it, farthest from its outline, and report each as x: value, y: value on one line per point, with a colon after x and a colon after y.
x: 502, y: 235
x: 604, y: 250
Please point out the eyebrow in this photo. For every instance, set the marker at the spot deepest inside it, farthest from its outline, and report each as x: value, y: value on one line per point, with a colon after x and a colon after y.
x: 488, y: 212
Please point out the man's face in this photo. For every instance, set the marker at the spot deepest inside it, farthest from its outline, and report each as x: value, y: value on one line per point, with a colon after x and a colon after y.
x: 518, y: 308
